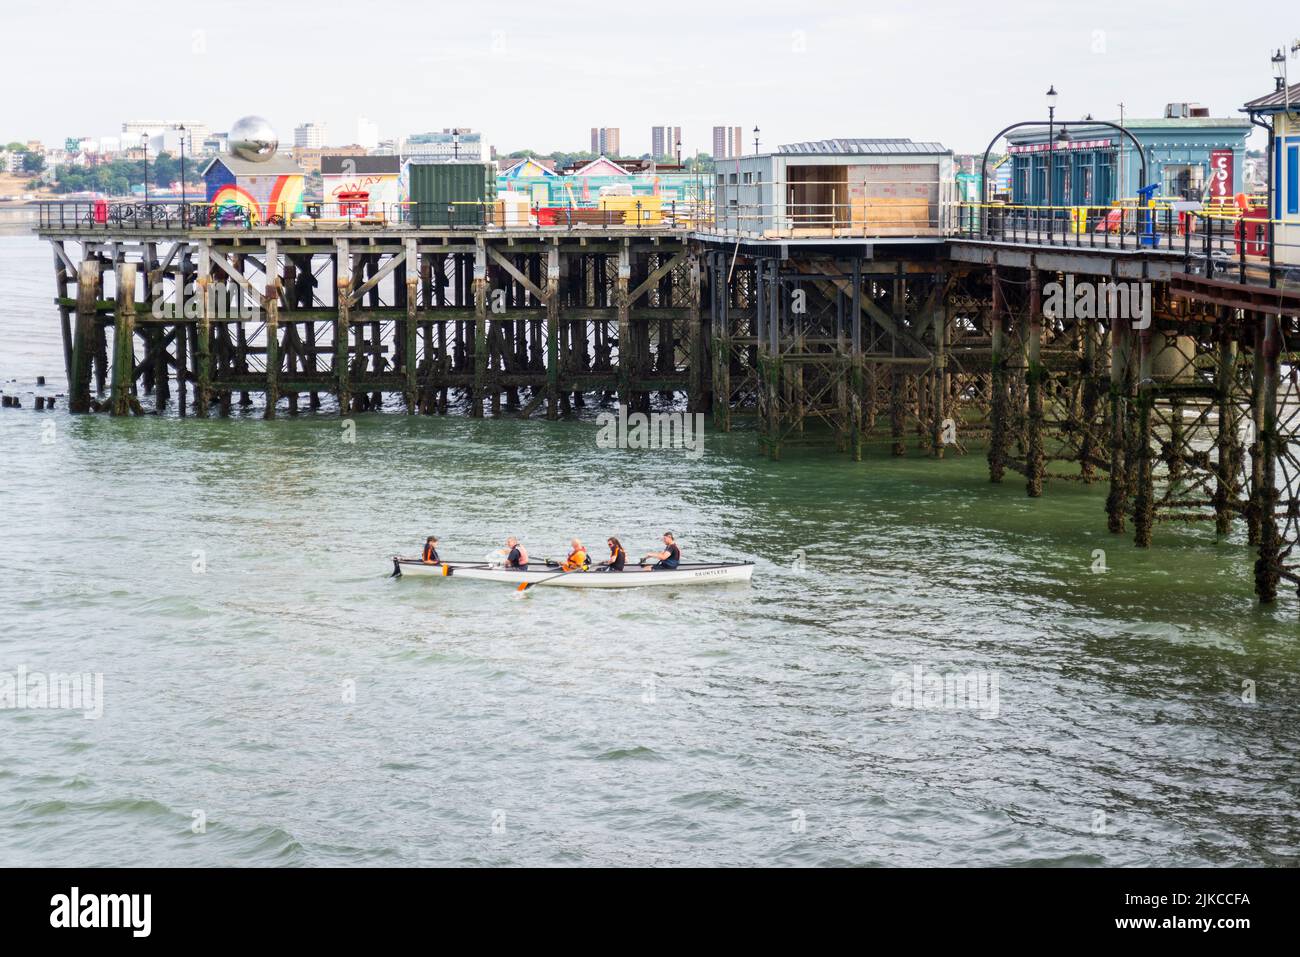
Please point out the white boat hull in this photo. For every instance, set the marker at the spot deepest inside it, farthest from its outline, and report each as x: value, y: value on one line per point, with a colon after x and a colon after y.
x: 686, y: 574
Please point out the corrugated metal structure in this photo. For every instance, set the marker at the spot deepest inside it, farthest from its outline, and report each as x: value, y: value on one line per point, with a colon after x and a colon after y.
x: 862, y: 146
x: 450, y: 194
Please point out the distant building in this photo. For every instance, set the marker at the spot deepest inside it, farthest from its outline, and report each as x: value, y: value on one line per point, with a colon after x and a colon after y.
x: 664, y: 141
x: 309, y: 136
x: 196, y: 133
x: 604, y: 141
x: 367, y: 133
x: 727, y: 142
x: 311, y: 158
x: 453, y: 143
x: 1190, y: 154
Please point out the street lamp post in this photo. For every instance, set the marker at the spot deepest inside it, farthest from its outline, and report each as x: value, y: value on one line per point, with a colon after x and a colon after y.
x: 679, y: 152
x: 1279, y: 70
x: 182, y: 174
x: 455, y: 144
x: 1051, y: 123
x: 756, y: 141
x: 144, y: 143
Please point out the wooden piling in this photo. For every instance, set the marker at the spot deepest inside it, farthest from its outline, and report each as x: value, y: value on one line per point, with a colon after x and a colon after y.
x: 83, y: 338
x: 271, y: 318
x: 124, y: 341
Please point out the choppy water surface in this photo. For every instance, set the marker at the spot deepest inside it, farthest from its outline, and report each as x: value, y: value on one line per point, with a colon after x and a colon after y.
x: 316, y: 712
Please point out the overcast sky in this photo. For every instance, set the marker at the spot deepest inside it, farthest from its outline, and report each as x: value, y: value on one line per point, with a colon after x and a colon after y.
x: 541, y: 74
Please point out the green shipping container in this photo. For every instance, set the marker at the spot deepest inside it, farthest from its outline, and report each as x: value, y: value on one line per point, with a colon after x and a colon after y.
x: 451, y: 194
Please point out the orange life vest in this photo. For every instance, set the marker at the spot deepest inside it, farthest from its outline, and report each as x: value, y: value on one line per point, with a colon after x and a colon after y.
x: 577, y: 559
x: 523, y: 556
x: 430, y: 553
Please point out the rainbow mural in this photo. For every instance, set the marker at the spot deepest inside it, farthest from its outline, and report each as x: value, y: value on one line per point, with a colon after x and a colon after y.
x: 257, y: 196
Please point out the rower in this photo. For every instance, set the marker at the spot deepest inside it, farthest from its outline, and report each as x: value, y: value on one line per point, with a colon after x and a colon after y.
x: 430, y: 556
x: 516, y: 554
x: 668, y: 559
x: 617, y: 557
x: 577, y: 559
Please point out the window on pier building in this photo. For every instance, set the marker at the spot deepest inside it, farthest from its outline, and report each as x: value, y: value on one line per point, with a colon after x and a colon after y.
x: 1292, y: 177
x: 1021, y: 193
x: 1061, y: 180
x: 1104, y: 185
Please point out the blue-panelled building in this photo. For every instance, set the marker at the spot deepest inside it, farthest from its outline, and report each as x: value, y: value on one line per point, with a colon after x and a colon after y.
x: 1192, y: 157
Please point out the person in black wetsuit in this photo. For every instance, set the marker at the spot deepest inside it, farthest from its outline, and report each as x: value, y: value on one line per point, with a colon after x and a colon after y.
x: 617, y: 557
x: 668, y: 559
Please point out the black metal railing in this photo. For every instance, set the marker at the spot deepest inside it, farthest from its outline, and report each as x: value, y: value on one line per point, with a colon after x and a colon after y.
x: 1215, y: 243
x: 351, y: 214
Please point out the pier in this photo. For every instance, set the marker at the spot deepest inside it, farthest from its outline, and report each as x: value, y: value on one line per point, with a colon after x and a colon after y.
x: 916, y: 330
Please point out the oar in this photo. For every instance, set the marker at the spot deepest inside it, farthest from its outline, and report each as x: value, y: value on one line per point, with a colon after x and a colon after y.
x: 524, y: 586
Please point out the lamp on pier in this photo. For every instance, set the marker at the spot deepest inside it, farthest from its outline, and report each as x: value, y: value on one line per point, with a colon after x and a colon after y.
x: 455, y: 143
x: 1279, y: 70
x: 1051, y: 128
x: 182, y: 174
x: 679, y: 152
x: 756, y: 140
x: 144, y: 144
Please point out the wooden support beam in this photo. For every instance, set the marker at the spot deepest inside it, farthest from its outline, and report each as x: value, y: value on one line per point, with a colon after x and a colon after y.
x: 124, y: 341
x: 271, y: 314
x: 623, y: 303
x: 518, y: 276
x: 342, y: 286
x: 480, y: 294
x: 552, y: 300
x: 83, y: 343
x: 377, y: 277
x: 411, y: 328
x: 649, y: 282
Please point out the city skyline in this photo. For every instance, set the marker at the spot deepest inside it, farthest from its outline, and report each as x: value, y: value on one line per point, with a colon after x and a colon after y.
x: 1111, y: 55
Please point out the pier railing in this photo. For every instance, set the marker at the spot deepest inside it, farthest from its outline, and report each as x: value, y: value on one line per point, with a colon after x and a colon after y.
x: 1217, y: 241
x: 358, y: 214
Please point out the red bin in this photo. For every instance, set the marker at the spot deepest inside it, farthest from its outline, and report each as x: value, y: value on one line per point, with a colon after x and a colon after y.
x: 101, y: 211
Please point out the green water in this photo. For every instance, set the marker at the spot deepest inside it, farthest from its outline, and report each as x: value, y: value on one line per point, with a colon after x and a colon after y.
x: 227, y: 579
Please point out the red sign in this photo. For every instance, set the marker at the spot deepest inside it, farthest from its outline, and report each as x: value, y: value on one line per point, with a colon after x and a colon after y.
x: 1220, y: 174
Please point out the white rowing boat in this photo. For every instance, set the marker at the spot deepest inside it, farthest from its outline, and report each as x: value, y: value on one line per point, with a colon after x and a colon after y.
x: 701, y: 573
